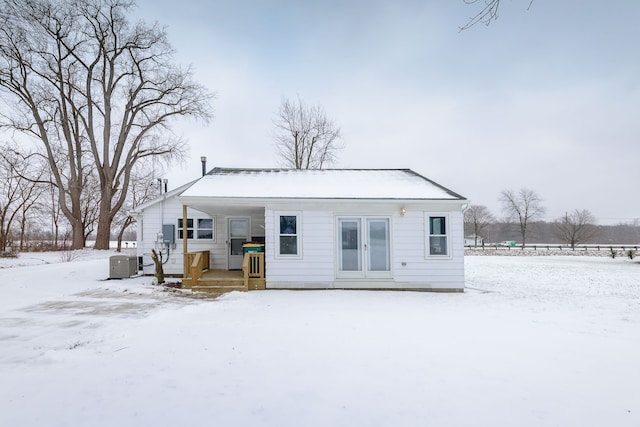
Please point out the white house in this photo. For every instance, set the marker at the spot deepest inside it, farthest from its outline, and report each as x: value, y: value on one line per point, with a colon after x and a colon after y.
x: 321, y: 229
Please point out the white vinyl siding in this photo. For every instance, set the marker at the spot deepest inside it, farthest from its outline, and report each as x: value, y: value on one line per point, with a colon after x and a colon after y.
x: 315, y: 265
x: 168, y: 213
x: 409, y: 268
x: 410, y: 245
x: 317, y: 243
x: 171, y: 211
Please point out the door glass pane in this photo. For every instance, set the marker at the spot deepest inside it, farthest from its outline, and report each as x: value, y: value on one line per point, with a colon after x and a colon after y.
x: 378, y: 250
x: 350, y: 255
x: 236, y: 246
x: 238, y: 228
x: 238, y: 234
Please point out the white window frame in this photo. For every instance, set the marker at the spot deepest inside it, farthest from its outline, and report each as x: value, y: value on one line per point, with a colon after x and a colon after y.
x: 298, y: 234
x: 196, y: 228
x: 428, y: 235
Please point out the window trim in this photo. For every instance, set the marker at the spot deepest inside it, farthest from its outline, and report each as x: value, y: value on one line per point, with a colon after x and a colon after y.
x: 198, y: 229
x: 195, y: 227
x: 428, y: 235
x: 298, y: 235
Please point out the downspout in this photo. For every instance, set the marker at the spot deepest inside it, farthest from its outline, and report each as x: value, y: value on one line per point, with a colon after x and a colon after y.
x: 164, y: 198
x: 184, y: 243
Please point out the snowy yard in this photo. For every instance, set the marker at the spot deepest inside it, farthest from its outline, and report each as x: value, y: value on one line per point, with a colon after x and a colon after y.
x: 534, y: 341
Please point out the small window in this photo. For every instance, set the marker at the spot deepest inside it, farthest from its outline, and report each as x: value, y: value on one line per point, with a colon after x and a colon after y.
x: 189, y: 228
x: 205, y: 228
x: 199, y: 228
x: 288, y: 235
x: 438, y: 236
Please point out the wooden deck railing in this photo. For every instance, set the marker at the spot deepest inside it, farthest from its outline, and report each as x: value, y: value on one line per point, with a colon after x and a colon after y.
x: 197, y: 262
x: 253, y: 269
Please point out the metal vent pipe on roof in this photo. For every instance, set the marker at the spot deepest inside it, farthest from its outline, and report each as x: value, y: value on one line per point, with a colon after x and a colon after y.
x: 203, y: 159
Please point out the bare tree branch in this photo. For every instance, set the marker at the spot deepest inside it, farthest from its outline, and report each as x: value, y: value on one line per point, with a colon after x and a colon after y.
x: 305, y: 137
x: 487, y: 14
x: 477, y: 219
x: 522, y: 207
x: 97, y: 92
x: 575, y: 228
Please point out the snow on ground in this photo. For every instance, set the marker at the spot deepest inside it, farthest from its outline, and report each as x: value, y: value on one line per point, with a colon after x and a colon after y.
x: 534, y: 341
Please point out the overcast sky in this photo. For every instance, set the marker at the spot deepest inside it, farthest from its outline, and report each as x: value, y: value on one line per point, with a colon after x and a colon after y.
x: 546, y: 98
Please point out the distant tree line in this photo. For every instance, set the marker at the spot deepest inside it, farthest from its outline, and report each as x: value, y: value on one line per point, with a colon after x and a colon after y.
x: 545, y: 232
x: 521, y: 222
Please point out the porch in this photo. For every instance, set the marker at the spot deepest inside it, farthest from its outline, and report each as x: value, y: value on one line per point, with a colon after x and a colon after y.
x: 201, y: 278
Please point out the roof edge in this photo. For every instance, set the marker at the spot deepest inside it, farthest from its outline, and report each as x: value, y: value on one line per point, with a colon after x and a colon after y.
x: 175, y: 192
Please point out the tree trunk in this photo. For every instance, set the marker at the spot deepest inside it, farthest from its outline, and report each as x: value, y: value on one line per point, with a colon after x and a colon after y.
x: 103, y: 233
x: 23, y: 226
x: 56, y: 234
x: 127, y: 223
x: 157, y: 260
x: 77, y: 229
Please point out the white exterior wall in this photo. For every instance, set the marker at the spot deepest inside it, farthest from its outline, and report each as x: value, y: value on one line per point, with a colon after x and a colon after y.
x: 411, y: 267
x: 316, y: 267
x: 219, y: 259
x: 168, y: 212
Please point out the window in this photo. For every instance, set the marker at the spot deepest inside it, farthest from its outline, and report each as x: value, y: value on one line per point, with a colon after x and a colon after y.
x: 189, y: 228
x: 205, y: 228
x: 288, y: 235
x: 199, y: 228
x: 438, y: 236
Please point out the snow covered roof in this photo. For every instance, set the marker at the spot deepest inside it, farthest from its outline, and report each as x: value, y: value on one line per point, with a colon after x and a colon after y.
x: 176, y: 191
x: 318, y: 184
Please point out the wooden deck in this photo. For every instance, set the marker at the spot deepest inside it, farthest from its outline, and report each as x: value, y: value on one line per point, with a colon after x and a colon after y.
x: 250, y: 278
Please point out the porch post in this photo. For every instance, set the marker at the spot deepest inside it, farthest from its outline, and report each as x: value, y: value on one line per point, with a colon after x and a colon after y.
x: 185, y: 258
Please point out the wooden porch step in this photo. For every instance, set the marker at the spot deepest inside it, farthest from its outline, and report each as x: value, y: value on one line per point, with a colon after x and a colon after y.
x: 219, y: 285
x: 218, y: 288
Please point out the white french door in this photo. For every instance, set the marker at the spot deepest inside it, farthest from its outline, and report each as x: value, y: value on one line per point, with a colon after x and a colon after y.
x: 364, y: 247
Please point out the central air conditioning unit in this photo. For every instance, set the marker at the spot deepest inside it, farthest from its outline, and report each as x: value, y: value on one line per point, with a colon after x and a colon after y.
x: 122, y: 266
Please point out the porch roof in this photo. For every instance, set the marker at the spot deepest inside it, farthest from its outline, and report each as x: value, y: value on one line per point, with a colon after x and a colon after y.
x: 399, y: 184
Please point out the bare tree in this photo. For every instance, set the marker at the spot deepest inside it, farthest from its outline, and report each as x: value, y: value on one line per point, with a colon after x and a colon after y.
x: 305, y: 137
x: 576, y: 227
x: 17, y: 194
x: 31, y: 192
x: 89, y: 86
x: 476, y: 219
x: 90, y: 205
x: 488, y: 13
x: 522, y: 207
x: 139, y: 193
